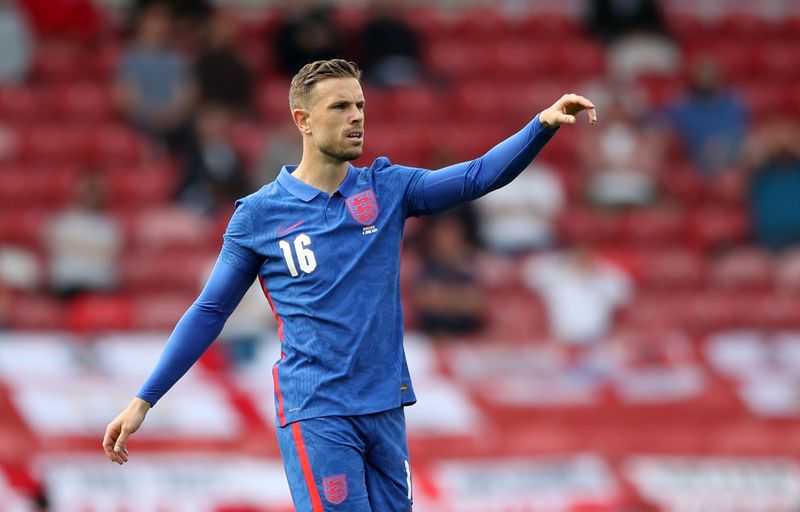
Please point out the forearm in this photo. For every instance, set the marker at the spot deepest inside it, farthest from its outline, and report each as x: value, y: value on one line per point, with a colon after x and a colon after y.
x: 448, y: 187
x: 197, y: 329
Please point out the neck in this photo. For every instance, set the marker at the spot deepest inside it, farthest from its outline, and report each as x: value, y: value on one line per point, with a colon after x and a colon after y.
x: 321, y: 171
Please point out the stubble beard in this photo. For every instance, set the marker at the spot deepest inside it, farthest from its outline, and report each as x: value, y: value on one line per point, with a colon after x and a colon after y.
x: 341, y: 153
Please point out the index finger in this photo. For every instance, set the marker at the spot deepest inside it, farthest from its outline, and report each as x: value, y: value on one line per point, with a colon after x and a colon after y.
x: 109, y: 440
x: 588, y: 106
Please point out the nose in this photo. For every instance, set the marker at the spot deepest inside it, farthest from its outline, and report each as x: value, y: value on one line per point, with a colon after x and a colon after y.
x: 356, y: 115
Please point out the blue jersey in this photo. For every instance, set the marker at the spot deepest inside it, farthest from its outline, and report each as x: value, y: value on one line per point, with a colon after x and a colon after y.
x: 329, y: 266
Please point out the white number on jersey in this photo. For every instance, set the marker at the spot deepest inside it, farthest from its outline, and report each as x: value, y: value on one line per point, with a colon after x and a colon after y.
x: 305, y: 256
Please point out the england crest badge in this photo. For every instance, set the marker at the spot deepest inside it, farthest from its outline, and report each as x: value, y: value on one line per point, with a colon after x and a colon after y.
x: 335, y: 488
x: 363, y: 207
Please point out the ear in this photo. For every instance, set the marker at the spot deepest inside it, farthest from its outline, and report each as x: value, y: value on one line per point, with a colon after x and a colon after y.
x: 301, y: 120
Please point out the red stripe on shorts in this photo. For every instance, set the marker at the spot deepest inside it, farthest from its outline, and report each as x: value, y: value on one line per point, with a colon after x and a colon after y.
x: 316, y: 501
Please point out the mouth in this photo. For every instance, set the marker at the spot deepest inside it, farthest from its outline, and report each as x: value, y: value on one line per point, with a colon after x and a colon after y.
x: 356, y: 136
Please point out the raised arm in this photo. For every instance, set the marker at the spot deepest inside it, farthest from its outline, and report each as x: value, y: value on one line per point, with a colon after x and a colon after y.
x: 196, y: 330
x: 446, y: 188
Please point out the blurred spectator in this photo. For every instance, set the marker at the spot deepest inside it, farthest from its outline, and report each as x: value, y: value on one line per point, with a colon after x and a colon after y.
x: 519, y: 217
x: 635, y: 35
x: 610, y: 20
x: 447, y: 293
x: 153, y: 84
x: 213, y: 173
x: 710, y: 121
x: 19, y: 268
x: 581, y: 291
x: 624, y: 158
x: 391, y: 47
x: 283, y: 147
x: 16, y: 44
x: 64, y: 18
x: 305, y: 35
x: 222, y: 76
x: 193, y: 12
x: 773, y: 160
x: 83, y: 243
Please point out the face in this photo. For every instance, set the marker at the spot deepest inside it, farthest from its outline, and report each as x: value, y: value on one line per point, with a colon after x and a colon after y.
x: 335, y: 118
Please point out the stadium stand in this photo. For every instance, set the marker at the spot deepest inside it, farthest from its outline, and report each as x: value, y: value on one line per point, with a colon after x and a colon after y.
x: 692, y: 381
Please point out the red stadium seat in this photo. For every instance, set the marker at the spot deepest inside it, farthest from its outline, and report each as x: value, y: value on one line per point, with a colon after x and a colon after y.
x: 764, y: 98
x: 551, y: 26
x: 141, y: 185
x: 462, y: 142
x: 159, y: 311
x: 36, y: 185
x: 524, y: 59
x: 94, y: 313
x: 170, y: 228
x: 83, y: 101
x: 737, y: 62
x: 742, y: 27
x: 273, y: 99
x: 714, y: 226
x: 590, y: 226
x: 24, y: 104
x: 769, y: 311
x: 479, y: 100
x: 746, y: 268
x: 660, y: 226
x: 52, y: 144
x: 582, y: 59
x: 419, y: 103
x: 114, y: 144
x: 681, y: 183
x: 58, y: 60
x: 35, y: 312
x: 778, y: 61
x: 661, y: 89
x: 178, y: 271
x: 480, y: 24
x: 672, y: 268
x: 23, y: 224
x: 459, y: 59
x: 516, y: 315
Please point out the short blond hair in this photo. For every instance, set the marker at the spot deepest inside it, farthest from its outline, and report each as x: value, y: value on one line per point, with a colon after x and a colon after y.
x: 314, y: 72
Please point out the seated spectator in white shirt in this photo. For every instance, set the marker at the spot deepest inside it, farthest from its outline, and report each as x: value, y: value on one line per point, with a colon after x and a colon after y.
x: 520, y: 216
x: 83, y: 244
x: 581, y: 292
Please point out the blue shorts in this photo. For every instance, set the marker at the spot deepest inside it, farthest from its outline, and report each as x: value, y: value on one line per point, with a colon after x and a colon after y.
x: 348, y: 463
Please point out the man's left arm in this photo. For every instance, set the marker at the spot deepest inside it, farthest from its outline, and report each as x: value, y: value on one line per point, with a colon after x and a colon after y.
x: 446, y: 188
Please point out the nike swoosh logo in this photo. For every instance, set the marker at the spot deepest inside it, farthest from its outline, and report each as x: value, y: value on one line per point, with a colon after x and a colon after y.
x: 282, y: 231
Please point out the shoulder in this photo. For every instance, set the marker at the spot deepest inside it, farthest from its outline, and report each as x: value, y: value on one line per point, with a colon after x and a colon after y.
x: 385, y: 171
x: 269, y: 192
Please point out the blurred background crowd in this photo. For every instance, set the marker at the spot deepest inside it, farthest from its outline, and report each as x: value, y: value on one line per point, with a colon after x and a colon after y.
x: 617, y: 324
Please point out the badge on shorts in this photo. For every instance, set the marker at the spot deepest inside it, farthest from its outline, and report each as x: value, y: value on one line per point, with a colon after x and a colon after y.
x: 335, y: 488
x: 363, y: 207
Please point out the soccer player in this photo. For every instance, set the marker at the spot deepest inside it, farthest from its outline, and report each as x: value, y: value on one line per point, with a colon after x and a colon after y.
x: 324, y: 241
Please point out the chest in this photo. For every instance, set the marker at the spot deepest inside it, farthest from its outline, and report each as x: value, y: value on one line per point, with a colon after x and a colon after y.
x: 328, y: 237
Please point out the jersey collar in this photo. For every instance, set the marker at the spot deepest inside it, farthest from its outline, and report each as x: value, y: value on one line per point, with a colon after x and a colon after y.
x: 306, y: 192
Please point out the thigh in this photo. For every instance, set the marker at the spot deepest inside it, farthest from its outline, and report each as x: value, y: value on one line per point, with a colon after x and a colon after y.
x: 324, y: 463
x: 388, y: 469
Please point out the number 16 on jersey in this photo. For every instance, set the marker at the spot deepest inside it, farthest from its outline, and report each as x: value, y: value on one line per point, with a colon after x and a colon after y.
x: 305, y: 256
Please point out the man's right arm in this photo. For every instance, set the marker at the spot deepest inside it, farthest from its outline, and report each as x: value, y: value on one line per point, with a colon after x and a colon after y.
x: 196, y: 330
x: 236, y: 268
